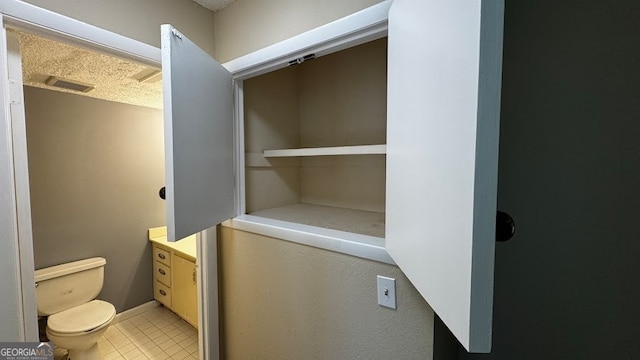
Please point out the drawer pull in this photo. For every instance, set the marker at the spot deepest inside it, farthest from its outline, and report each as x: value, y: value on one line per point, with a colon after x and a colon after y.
x: 161, y: 256
x: 163, y: 292
x: 162, y: 272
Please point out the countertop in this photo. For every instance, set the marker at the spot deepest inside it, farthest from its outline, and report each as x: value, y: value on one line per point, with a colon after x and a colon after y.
x: 185, y: 247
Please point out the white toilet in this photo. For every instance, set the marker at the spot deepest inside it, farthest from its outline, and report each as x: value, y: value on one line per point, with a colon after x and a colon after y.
x: 66, y: 294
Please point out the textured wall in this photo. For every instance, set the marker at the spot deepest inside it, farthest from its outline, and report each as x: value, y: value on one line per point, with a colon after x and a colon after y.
x: 95, y: 168
x: 140, y: 19
x: 282, y: 300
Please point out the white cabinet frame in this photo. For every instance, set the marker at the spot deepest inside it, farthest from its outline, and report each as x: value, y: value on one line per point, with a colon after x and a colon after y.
x: 442, y: 139
x: 361, y: 27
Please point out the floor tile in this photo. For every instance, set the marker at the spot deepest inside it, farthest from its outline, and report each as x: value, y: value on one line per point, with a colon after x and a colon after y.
x: 174, y: 349
x: 180, y: 355
x: 166, y: 344
x: 156, y: 334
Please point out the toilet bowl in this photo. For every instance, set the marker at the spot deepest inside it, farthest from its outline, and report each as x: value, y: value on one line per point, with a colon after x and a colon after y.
x: 65, y: 293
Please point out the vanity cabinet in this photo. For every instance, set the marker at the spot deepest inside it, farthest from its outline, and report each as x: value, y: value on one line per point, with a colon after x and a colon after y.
x: 162, y: 275
x: 375, y: 136
x: 174, y: 277
x: 185, y: 294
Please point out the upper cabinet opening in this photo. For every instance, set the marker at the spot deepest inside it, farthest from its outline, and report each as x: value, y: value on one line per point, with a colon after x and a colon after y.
x: 315, y: 138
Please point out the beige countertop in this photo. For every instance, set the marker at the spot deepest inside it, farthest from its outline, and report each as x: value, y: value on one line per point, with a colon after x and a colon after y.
x: 185, y: 246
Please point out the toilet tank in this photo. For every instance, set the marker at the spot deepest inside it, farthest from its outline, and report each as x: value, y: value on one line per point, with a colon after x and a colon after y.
x: 64, y: 286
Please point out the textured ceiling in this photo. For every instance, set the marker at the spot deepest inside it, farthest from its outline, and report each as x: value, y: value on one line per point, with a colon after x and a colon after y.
x: 111, y: 76
x: 115, y: 79
x: 214, y: 5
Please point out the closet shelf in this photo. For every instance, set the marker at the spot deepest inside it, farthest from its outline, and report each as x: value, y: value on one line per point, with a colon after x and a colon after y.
x: 324, y: 151
x: 328, y: 217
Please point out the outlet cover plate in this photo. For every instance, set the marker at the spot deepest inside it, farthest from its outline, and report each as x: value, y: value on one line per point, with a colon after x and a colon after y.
x: 387, y: 292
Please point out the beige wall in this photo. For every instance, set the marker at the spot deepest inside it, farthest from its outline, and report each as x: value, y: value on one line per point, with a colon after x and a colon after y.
x: 283, y: 300
x: 249, y: 25
x: 324, y: 102
x: 140, y: 19
x: 95, y: 168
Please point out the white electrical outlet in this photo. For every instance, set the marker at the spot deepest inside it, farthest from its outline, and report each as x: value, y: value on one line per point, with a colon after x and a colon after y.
x: 387, y: 292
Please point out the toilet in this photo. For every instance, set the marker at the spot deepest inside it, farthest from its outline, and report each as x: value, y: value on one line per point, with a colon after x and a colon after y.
x: 76, y: 320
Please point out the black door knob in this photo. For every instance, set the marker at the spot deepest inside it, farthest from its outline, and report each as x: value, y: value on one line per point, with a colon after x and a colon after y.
x: 162, y: 193
x: 505, y: 226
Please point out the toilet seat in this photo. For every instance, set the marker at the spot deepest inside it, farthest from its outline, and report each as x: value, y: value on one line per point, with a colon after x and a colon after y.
x: 81, y: 319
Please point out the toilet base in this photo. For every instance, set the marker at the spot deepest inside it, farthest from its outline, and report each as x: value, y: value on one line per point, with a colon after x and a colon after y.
x: 91, y: 353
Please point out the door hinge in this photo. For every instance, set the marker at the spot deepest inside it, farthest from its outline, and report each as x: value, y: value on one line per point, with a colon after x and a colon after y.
x: 15, y: 94
x: 177, y: 34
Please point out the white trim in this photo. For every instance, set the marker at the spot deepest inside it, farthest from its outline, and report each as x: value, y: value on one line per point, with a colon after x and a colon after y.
x: 363, y: 26
x: 21, y: 175
x: 363, y: 246
x: 238, y: 118
x: 128, y: 314
x: 13, y: 308
x: 329, y: 151
x: 31, y: 18
x: 207, y: 284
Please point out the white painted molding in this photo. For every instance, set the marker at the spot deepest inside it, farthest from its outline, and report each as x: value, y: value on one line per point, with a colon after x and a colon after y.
x: 358, y: 28
x: 28, y: 17
x: 334, y: 150
x: 363, y: 246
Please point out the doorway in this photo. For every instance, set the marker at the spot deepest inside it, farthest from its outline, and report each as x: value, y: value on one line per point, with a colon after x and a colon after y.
x: 95, y: 153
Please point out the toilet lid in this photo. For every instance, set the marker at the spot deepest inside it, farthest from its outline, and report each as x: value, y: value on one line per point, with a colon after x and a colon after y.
x: 81, y: 318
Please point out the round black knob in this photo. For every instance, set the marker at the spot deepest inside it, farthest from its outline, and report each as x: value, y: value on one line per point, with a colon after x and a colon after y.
x: 162, y: 193
x: 505, y: 226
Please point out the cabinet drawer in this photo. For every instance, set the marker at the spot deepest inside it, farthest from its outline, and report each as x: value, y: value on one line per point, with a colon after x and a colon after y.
x: 162, y: 273
x: 162, y: 255
x: 162, y: 293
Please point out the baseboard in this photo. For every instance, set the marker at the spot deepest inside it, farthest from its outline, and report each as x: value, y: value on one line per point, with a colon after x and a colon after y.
x: 127, y: 314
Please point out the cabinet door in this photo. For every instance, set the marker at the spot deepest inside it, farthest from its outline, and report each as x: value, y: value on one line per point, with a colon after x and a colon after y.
x: 184, y: 289
x: 444, y: 68
x: 198, y: 137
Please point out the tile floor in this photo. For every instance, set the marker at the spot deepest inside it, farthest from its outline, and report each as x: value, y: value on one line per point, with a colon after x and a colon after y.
x: 156, y: 334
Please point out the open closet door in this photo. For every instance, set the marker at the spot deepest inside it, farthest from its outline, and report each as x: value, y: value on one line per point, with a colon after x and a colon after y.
x: 445, y: 60
x: 198, y: 137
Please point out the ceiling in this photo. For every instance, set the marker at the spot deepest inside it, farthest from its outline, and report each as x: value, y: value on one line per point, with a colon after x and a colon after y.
x: 115, y: 79
x: 214, y: 5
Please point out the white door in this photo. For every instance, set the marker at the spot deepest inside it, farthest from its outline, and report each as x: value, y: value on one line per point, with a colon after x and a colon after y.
x: 198, y: 135
x: 445, y: 60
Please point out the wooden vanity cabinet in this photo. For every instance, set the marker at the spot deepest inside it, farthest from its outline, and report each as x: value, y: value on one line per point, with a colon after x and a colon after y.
x: 174, y: 282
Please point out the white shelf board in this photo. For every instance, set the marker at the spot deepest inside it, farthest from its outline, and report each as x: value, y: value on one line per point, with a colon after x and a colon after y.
x: 325, y: 151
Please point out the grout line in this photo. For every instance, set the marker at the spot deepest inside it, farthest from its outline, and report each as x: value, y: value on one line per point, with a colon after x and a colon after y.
x: 145, y: 335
